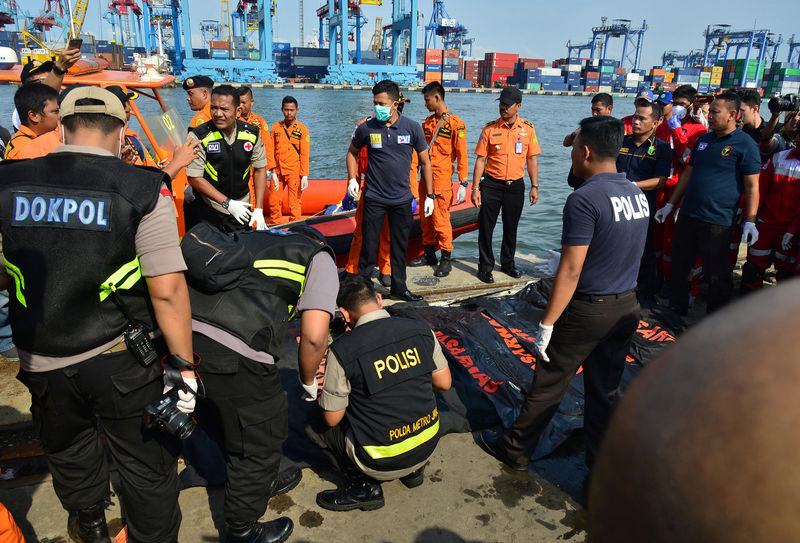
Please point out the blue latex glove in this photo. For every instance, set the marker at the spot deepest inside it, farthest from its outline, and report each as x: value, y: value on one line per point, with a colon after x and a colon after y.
x: 674, y: 122
x: 413, y: 205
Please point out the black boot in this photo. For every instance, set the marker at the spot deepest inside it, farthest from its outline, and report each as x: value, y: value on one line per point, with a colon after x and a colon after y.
x: 89, y: 525
x: 359, y: 492
x: 427, y: 259
x: 445, y: 265
x: 274, y: 531
x: 285, y: 481
x: 414, y: 479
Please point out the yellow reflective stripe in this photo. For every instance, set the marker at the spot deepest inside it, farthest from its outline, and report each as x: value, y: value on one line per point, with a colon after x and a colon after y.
x: 246, y: 173
x: 124, y: 278
x: 274, y: 263
x: 291, y: 276
x: 19, y: 282
x: 246, y: 136
x: 213, y: 136
x: 390, y: 451
x: 212, y: 171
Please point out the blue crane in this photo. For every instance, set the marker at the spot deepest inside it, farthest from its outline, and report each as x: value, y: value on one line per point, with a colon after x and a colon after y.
x: 356, y: 21
x: 631, y: 45
x: 579, y: 49
x: 720, y: 39
x: 692, y: 59
x: 162, y: 29
x: 452, y: 33
x: 794, y: 52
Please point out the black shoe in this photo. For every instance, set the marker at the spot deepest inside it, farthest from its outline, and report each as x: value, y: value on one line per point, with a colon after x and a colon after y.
x: 512, y: 272
x: 489, y: 441
x: 285, y: 481
x: 274, y: 531
x: 414, y: 479
x: 344, y: 275
x: 385, y: 280
x: 88, y: 525
x: 427, y: 259
x: 486, y: 277
x: 356, y: 494
x: 445, y: 265
x: 406, y: 295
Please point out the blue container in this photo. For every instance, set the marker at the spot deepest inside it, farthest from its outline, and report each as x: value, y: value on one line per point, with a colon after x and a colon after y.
x: 310, y: 52
x: 607, y: 62
x: 552, y: 79
x: 703, y: 88
x: 219, y: 53
x: 451, y: 69
x: 591, y: 82
x: 555, y: 86
x: 577, y: 88
x: 281, y: 46
x: 433, y: 67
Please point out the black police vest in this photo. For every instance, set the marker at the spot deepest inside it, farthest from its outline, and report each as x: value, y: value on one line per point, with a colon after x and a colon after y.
x: 228, y: 166
x: 392, y: 408
x: 248, y: 284
x: 68, y: 222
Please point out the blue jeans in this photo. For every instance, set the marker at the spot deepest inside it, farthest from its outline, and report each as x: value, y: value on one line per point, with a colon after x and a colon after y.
x: 5, y: 326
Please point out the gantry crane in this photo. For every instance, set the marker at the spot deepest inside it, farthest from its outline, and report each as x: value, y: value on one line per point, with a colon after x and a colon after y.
x: 794, y: 52
x: 579, y: 49
x: 453, y: 34
x: 692, y: 59
x: 631, y: 45
x: 162, y: 29
x: 210, y: 31
x: 8, y: 12
x: 720, y: 39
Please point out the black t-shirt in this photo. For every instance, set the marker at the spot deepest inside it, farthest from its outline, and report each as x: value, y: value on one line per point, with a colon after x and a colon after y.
x: 610, y: 215
x: 5, y: 137
x: 389, y: 150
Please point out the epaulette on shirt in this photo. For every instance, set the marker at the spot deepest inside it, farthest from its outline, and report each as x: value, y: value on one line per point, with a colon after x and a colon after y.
x: 527, y: 122
x: 490, y: 123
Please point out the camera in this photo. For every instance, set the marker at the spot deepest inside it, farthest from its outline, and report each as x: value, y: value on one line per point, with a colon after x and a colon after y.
x: 164, y: 413
x: 787, y: 102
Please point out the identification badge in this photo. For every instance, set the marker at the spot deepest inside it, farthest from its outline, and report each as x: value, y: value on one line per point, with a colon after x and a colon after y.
x: 404, y: 139
x: 702, y: 146
x: 375, y: 141
x: 213, y: 147
x: 518, y: 148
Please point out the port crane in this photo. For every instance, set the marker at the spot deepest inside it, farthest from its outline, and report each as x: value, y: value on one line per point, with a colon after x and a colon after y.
x: 120, y: 12
x: 692, y: 59
x: 576, y: 51
x: 8, y: 12
x: 453, y: 34
x: 631, y: 44
x: 720, y: 39
x: 794, y: 52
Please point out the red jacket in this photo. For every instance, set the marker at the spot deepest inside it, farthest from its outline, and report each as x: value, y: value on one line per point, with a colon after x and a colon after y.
x: 779, y: 191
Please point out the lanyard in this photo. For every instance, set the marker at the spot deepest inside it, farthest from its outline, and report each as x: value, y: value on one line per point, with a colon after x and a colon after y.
x: 289, y: 139
x: 438, y: 129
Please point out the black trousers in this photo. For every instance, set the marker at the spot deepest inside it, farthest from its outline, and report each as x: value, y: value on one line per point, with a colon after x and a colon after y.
x: 712, y: 243
x: 115, y: 388
x: 648, y: 268
x: 400, y: 219
x: 330, y: 440
x: 595, y: 332
x: 245, y: 413
x: 497, y: 196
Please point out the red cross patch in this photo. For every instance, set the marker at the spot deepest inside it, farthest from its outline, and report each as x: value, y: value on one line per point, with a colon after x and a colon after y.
x: 248, y: 146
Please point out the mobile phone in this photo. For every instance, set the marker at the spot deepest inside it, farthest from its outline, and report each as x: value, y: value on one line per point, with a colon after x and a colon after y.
x: 75, y: 43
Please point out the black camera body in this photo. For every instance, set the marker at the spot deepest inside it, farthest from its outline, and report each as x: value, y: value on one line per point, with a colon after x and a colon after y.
x: 164, y: 413
x: 787, y: 102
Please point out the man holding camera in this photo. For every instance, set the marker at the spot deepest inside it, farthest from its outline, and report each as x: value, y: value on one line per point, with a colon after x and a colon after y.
x: 80, y: 318
x: 775, y: 137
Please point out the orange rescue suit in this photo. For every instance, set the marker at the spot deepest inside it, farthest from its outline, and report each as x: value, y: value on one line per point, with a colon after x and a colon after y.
x: 292, y: 145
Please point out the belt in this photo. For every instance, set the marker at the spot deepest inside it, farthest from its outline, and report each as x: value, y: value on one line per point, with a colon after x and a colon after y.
x: 121, y: 346
x: 506, y: 182
x: 599, y: 298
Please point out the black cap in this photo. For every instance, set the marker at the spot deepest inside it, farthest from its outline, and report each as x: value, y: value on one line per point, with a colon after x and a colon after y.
x: 34, y: 67
x: 123, y: 96
x: 198, y: 81
x: 511, y: 96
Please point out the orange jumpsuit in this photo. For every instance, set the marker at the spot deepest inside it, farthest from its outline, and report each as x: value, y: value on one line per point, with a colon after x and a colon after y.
x: 19, y: 140
x: 41, y: 146
x: 382, y: 261
x: 9, y: 531
x: 292, y: 145
x: 259, y: 121
x: 450, y: 146
x: 201, y: 117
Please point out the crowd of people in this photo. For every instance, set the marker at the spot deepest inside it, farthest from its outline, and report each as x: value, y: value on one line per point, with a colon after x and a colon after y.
x: 662, y: 199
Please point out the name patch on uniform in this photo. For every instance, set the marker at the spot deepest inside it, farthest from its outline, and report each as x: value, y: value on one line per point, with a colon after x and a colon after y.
x: 406, y: 140
x: 61, y: 211
x: 518, y: 148
x: 702, y: 146
x: 375, y: 141
x: 213, y: 147
x: 630, y: 208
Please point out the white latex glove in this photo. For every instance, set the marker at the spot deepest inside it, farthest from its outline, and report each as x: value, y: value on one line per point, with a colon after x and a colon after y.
x: 310, y: 391
x: 461, y: 194
x: 304, y: 182
x: 258, y: 219
x: 276, y: 181
x: 186, y: 400
x: 428, y: 208
x: 353, y: 188
x: 239, y: 211
x: 188, y: 194
x: 661, y: 214
x: 543, y: 336
x: 700, y: 117
x: 786, y: 242
x: 551, y: 266
x: 749, y: 233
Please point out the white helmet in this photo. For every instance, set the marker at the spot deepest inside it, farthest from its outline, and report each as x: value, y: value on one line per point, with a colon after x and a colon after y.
x: 8, y: 58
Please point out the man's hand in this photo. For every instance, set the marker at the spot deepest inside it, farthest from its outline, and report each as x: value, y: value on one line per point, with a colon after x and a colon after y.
x: 461, y: 195
x: 661, y: 214
x: 353, y: 188
x: 428, y: 207
x: 128, y: 155
x: 304, y: 182
x: 239, y: 211
x: 786, y: 242
x: 258, y: 219
x: 534, y: 195
x: 185, y: 154
x: 186, y: 398
x: 542, y: 340
x: 276, y: 181
x: 67, y: 58
x: 476, y: 196
x: 749, y: 233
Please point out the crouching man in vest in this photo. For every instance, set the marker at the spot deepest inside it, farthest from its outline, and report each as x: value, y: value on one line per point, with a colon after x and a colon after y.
x: 244, y: 291
x: 220, y: 173
x: 379, y: 416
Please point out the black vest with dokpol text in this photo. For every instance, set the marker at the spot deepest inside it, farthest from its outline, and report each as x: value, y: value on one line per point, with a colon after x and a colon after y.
x: 392, y: 408
x: 228, y: 166
x: 69, y: 223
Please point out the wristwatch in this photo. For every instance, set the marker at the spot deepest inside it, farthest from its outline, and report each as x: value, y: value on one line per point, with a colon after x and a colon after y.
x: 464, y: 183
x: 226, y: 203
x: 432, y: 196
x: 58, y: 71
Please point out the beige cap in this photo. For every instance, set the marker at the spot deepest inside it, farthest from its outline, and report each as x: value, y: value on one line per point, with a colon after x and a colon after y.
x: 111, y: 106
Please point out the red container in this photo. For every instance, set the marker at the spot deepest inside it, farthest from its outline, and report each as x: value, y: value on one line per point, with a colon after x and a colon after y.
x: 592, y: 75
x: 452, y: 53
x: 501, y: 56
x: 502, y: 71
x: 219, y: 45
x: 592, y: 88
